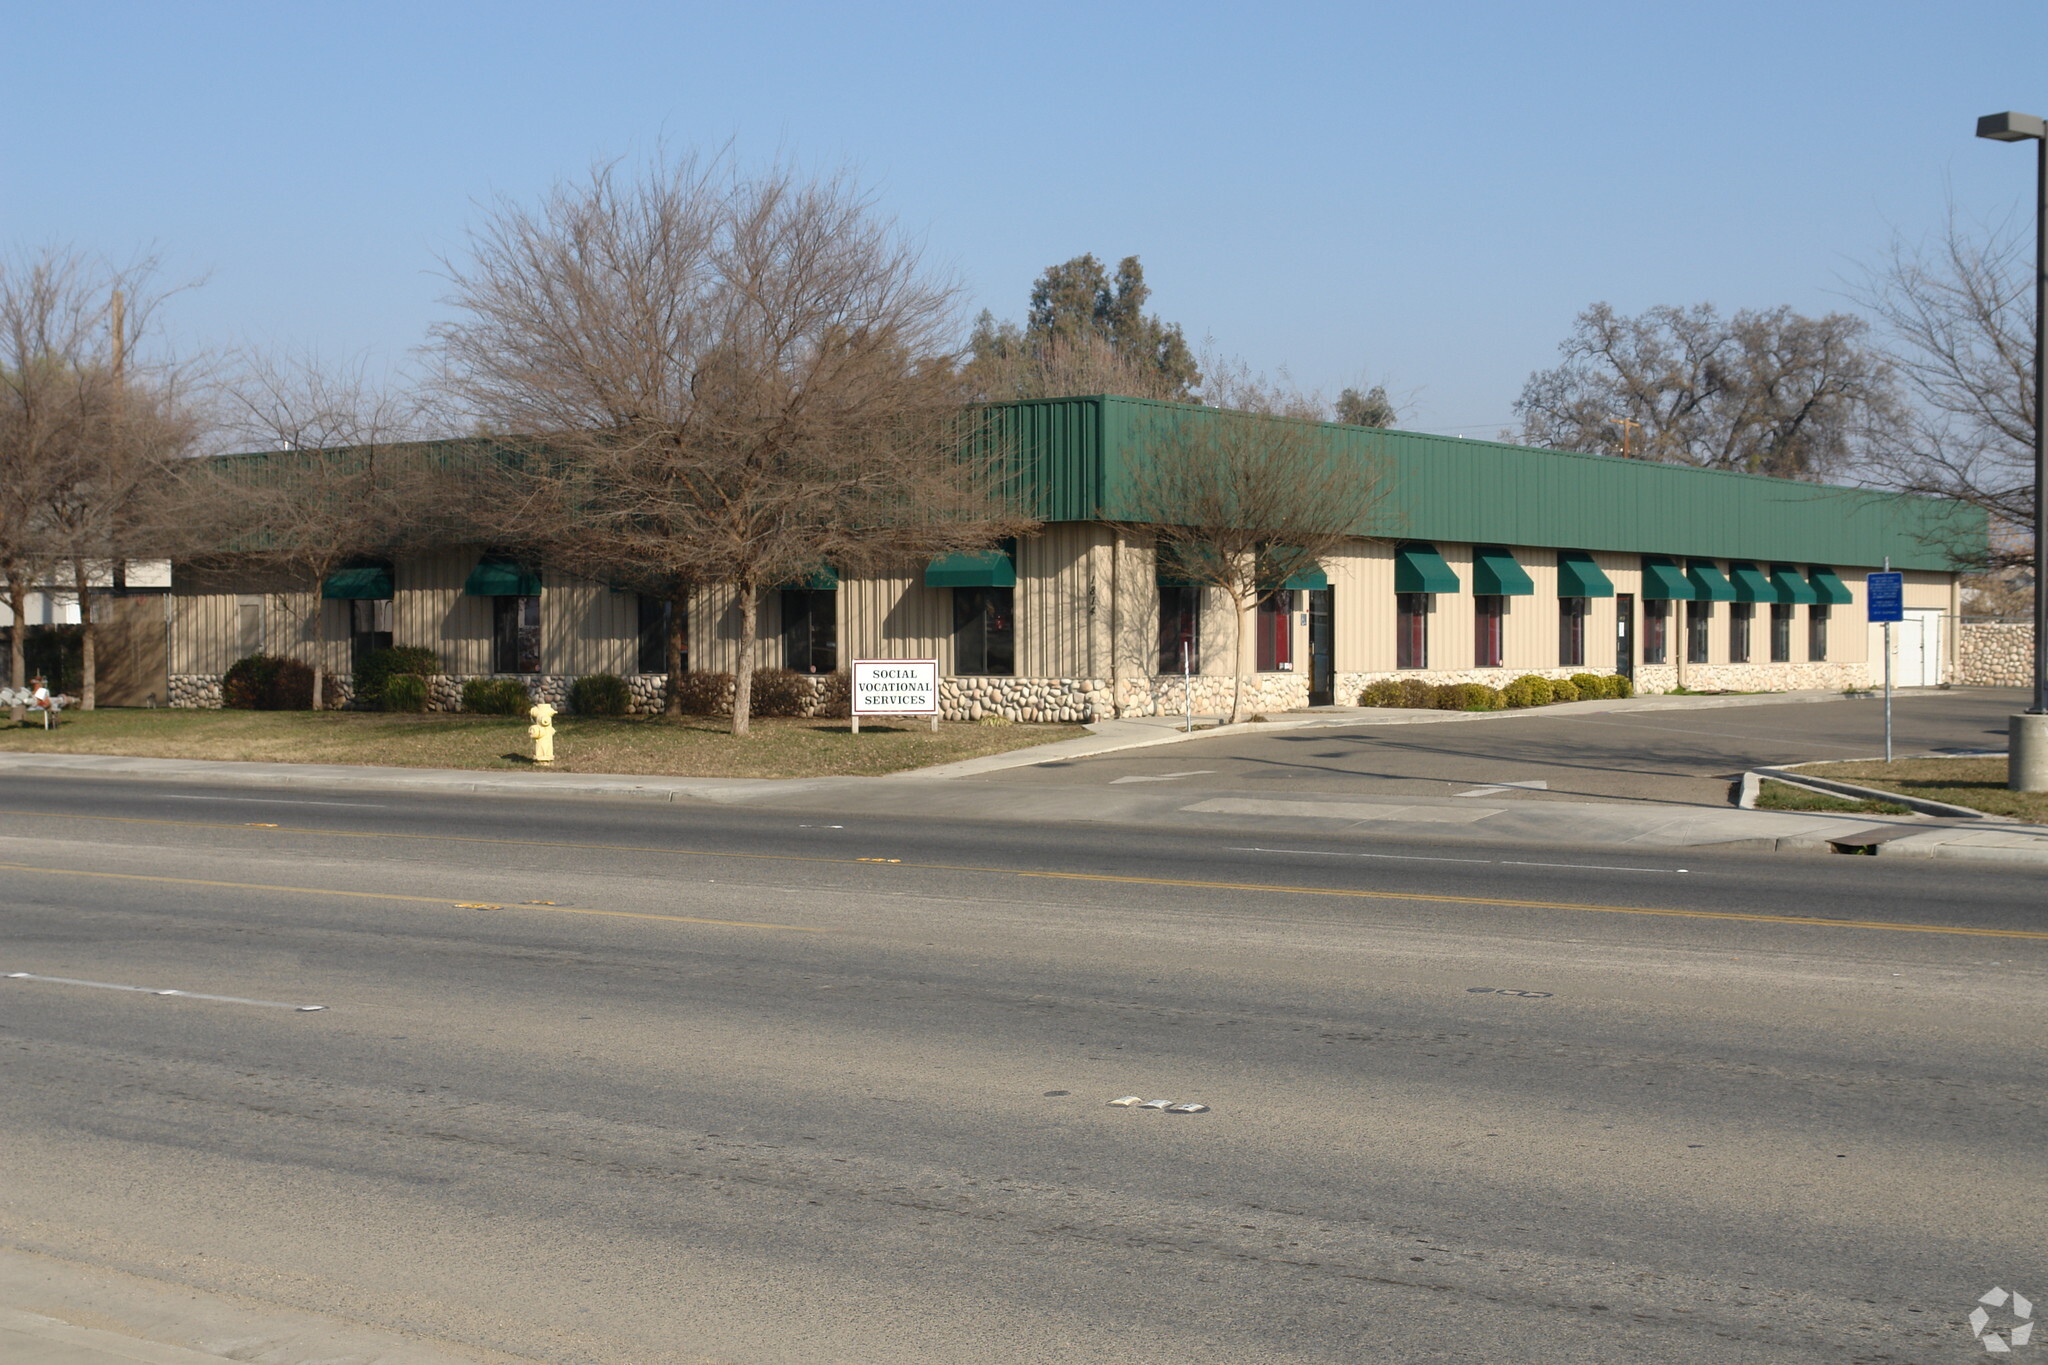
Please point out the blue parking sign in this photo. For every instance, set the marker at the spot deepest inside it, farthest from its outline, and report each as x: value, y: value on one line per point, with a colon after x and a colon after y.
x: 1885, y: 595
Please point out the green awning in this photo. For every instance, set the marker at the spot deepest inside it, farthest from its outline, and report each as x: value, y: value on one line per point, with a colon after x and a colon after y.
x: 1830, y: 589
x: 1664, y: 581
x: 368, y: 584
x: 1495, y: 573
x: 1170, y: 568
x: 824, y: 578
x: 985, y: 569
x: 1307, y: 577
x: 1419, y: 568
x: 1750, y: 583
x: 1707, y: 583
x: 1579, y: 576
x: 499, y: 576
x: 1791, y: 587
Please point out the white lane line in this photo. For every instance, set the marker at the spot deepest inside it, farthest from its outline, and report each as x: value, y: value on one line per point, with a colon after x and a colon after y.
x: 273, y: 801
x: 147, y: 990
x: 1163, y: 777
x: 1488, y: 862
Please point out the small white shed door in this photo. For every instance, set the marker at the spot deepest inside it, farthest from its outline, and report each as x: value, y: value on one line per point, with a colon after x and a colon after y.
x: 1916, y: 649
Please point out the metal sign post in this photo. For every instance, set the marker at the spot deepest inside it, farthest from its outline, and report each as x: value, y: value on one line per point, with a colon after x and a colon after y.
x: 1884, y: 598
x: 1187, y: 685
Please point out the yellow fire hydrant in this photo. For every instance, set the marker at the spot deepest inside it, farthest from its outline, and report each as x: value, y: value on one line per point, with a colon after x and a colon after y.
x: 542, y: 732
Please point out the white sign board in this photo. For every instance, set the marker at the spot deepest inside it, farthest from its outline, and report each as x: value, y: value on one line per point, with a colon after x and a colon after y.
x: 895, y: 687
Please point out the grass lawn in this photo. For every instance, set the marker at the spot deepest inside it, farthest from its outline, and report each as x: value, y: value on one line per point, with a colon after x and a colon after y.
x: 1778, y: 796
x: 1978, y: 783
x: 696, y: 746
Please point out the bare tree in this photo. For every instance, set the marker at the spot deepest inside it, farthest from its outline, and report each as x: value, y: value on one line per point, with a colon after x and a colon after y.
x: 1956, y: 319
x: 714, y: 380
x: 334, y: 483
x: 1246, y: 498
x: 73, y: 435
x: 1762, y: 392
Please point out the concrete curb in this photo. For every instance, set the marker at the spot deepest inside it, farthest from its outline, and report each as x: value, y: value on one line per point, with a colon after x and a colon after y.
x: 1828, y: 786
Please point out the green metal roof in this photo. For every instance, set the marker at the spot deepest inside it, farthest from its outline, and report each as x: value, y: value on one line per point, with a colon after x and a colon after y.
x: 1074, y: 456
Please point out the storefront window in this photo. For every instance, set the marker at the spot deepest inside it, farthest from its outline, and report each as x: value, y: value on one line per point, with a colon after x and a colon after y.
x: 1411, y: 626
x: 655, y: 614
x: 1817, y: 632
x: 985, y: 631
x: 1699, y: 618
x: 1275, y: 630
x: 1740, y: 614
x: 1656, y: 632
x: 1571, y: 631
x: 369, y: 627
x: 1781, y: 632
x: 1180, y: 629
x: 515, y: 634
x: 810, y: 630
x: 1489, y: 614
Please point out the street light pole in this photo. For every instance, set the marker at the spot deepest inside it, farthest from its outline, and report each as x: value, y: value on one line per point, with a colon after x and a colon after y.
x: 2027, y: 765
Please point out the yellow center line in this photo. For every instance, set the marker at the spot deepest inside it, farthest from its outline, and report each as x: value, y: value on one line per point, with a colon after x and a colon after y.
x: 1429, y: 897
x: 393, y: 896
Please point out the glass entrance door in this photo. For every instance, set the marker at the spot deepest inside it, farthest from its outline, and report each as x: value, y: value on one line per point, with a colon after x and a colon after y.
x: 1625, y: 635
x: 1322, y: 656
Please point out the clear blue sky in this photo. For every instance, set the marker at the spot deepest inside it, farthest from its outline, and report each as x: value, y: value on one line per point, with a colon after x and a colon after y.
x: 1423, y: 195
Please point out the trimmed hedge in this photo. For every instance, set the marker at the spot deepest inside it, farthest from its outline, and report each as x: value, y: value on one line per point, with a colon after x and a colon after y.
x: 1527, y: 690
x: 496, y: 697
x: 379, y: 666
x: 600, y: 694
x: 779, y: 692
x: 265, y: 682
x: 705, y: 694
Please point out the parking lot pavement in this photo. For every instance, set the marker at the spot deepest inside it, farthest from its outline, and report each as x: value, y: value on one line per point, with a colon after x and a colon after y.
x: 1676, y: 757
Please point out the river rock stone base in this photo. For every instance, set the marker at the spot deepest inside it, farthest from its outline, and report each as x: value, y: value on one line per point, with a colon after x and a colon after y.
x: 1995, y: 654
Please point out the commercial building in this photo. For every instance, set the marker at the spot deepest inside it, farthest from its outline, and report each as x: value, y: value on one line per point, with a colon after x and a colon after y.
x: 1484, y: 561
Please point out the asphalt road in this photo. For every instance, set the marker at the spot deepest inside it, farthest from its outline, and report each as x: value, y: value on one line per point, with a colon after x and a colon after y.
x: 750, y: 1086
x: 1677, y: 758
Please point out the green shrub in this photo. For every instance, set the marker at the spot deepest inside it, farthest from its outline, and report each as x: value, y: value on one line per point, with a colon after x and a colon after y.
x: 1563, y: 689
x: 1445, y: 697
x: 779, y: 692
x: 496, y: 697
x: 380, y: 665
x: 1527, y: 690
x: 403, y: 692
x: 1618, y: 686
x: 1416, y: 694
x: 264, y: 682
x: 705, y: 694
x: 1470, y: 696
x: 1592, y: 686
x: 600, y: 694
x: 1382, y: 692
